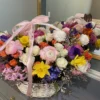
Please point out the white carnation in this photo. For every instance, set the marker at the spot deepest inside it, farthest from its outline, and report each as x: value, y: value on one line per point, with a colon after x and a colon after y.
x: 84, y: 39
x: 63, y: 53
x: 24, y: 59
x: 97, y: 31
x: 39, y: 39
x: 36, y: 50
x: 59, y: 36
x: 58, y: 46
x: 49, y: 37
x: 61, y: 63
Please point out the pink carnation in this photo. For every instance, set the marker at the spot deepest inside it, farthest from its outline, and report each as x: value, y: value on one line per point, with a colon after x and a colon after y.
x: 13, y: 47
x: 49, y: 54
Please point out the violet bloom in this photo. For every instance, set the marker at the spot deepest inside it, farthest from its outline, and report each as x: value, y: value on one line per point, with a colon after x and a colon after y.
x: 38, y: 33
x: 4, y: 38
x: 74, y: 51
x: 93, y: 38
x: 89, y: 25
x: 54, y: 73
x: 73, y: 32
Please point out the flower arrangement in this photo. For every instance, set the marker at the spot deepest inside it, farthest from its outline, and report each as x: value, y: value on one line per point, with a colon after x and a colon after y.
x: 55, y: 55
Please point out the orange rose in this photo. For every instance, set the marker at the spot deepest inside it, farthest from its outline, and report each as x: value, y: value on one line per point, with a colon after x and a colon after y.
x: 54, y: 41
x: 87, y: 31
x: 43, y: 44
x: 3, y: 53
x: 1, y: 42
x: 16, y: 55
x: 13, y: 62
x: 88, y: 55
x: 7, y: 66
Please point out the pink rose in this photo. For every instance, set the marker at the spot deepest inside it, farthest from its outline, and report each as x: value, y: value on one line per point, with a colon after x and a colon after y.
x: 49, y: 54
x: 13, y: 47
x: 79, y: 27
x: 66, y: 30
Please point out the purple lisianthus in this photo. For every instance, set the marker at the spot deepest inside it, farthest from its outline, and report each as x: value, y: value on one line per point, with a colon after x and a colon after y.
x: 2, y: 66
x: 89, y: 25
x: 54, y: 73
x: 74, y: 50
x: 73, y: 32
x: 4, y: 38
x: 38, y: 33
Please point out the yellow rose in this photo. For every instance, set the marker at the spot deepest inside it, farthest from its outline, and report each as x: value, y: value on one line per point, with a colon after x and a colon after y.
x: 24, y: 40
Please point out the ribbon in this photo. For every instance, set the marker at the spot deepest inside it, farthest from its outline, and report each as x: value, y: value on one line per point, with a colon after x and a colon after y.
x: 27, y: 28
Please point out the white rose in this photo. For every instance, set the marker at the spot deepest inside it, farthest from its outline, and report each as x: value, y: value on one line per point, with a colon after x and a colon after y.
x: 61, y: 63
x: 49, y: 37
x: 63, y: 53
x: 59, y: 46
x: 84, y: 39
x: 84, y: 68
x: 59, y: 36
x: 39, y: 39
x: 24, y: 58
x: 36, y: 50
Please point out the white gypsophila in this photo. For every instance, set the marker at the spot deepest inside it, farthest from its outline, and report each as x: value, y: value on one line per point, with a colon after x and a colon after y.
x: 84, y: 68
x: 59, y: 36
x: 61, y: 63
x: 36, y: 50
x: 84, y: 39
x: 24, y: 59
x: 39, y: 39
x: 42, y: 29
x: 63, y: 53
x: 96, y: 31
x: 59, y: 46
x: 49, y: 37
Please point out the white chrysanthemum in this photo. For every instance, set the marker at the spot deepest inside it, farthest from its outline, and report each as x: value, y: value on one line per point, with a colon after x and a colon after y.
x: 97, y: 31
x: 24, y: 58
x: 63, y: 53
x: 59, y: 36
x: 84, y: 39
x: 61, y: 63
x: 49, y: 37
x: 84, y: 68
x: 39, y: 39
x: 59, y: 46
x: 3, y: 33
x: 36, y: 50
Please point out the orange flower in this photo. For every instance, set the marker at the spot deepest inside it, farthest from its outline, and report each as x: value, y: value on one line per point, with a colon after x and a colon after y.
x: 1, y: 42
x: 13, y: 62
x: 87, y: 31
x: 88, y: 55
x: 43, y: 44
x: 16, y: 55
x: 54, y: 41
x: 3, y: 53
x: 7, y: 66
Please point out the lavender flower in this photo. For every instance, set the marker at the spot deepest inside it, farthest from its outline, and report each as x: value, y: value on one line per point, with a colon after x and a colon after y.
x: 4, y: 38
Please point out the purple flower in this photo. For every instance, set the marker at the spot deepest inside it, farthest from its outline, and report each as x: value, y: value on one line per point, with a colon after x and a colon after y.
x: 89, y: 25
x: 1, y: 67
x: 93, y: 38
x: 54, y: 73
x: 4, y: 38
x: 38, y: 33
x: 73, y: 32
x: 74, y: 50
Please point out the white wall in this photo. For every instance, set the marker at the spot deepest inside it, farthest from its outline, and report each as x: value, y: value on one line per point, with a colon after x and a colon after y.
x: 95, y: 9
x: 14, y: 11
x: 62, y: 9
